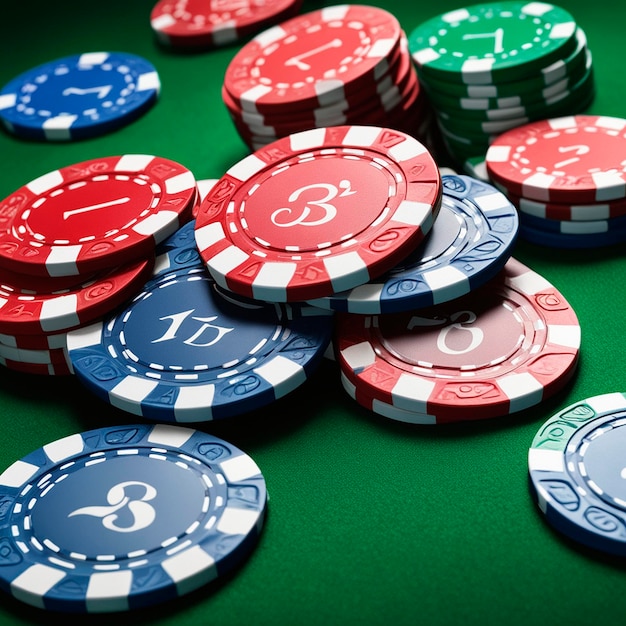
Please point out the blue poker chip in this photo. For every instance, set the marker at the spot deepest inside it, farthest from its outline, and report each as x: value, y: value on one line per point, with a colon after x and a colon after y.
x: 124, y: 517
x: 552, y: 239
x: 576, y: 468
x: 184, y: 352
x: 577, y: 228
x: 179, y: 251
x: 79, y: 96
x: 469, y: 243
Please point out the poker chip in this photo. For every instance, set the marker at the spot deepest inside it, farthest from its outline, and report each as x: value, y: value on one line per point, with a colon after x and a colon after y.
x: 576, y: 468
x: 492, y: 67
x: 318, y: 212
x: 58, y: 367
x: 500, y: 349
x: 183, y: 352
x: 125, y: 517
x: 574, y: 159
x: 567, y: 179
x: 79, y: 96
x: 339, y: 65
x: 198, y: 24
x: 32, y: 305
x: 471, y: 240
x: 94, y: 215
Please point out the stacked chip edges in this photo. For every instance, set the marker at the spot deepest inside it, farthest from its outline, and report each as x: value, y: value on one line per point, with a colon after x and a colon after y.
x: 492, y: 85
x: 50, y: 286
x: 565, y: 175
x: 346, y: 64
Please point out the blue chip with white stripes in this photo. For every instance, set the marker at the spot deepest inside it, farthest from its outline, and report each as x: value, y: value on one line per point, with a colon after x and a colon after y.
x: 79, y: 96
x: 184, y: 351
x: 470, y: 242
x: 125, y: 517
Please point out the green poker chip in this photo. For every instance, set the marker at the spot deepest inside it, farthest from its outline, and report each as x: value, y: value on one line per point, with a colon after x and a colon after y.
x: 486, y: 43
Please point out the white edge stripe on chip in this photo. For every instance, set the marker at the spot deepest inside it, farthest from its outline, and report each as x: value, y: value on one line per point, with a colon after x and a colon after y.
x: 33, y: 583
x: 235, y: 521
x: 93, y: 58
x: 133, y: 162
x: 247, y: 167
x: 17, y: 474
x: 148, y: 82
x: 545, y: 460
x: 46, y: 182
x: 157, y: 223
x: 239, y: 468
x: 207, y: 236
x: 130, y: 392
x: 108, y: 591
x: 359, y: 356
x: 190, y: 569
x: 412, y: 393
x: 193, y: 403
x: 282, y: 374
x: 85, y: 337
x: 567, y: 336
x: 522, y: 390
x: 7, y: 101
x: 361, y: 136
x: 170, y: 435
x: 336, y: 12
x: 307, y: 139
x: 64, y: 448
x: 457, y: 15
x: 607, y: 402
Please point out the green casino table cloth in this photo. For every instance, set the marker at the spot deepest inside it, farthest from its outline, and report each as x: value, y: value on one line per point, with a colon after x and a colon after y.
x: 370, y: 521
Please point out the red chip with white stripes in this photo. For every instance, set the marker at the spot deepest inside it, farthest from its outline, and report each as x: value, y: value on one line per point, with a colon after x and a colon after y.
x: 503, y: 348
x: 318, y: 212
x: 94, y: 215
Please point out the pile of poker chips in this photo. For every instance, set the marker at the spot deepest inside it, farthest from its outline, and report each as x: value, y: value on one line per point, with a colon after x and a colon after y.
x: 192, y: 24
x: 79, y: 96
x: 567, y: 178
x: 490, y: 67
x: 78, y: 242
x: 344, y: 64
x: 491, y: 339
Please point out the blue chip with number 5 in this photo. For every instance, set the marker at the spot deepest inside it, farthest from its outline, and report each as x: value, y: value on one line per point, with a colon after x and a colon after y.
x: 183, y: 351
x: 79, y: 96
x: 469, y: 243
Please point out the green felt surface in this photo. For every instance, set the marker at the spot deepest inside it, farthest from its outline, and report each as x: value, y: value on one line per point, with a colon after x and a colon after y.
x: 370, y: 521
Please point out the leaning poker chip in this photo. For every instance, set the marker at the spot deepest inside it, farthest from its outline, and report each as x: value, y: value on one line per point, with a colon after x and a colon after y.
x: 481, y: 43
x: 500, y: 349
x: 79, y: 96
x: 197, y: 23
x: 471, y: 240
x: 575, y: 159
x: 34, y: 305
x: 313, y: 59
x: 94, y: 215
x: 318, y: 212
x: 182, y: 352
x: 562, y: 227
x: 125, y: 517
x: 575, y: 464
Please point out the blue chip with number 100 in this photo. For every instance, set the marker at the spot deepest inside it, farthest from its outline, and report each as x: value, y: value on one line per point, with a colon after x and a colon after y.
x: 182, y: 351
x: 125, y: 517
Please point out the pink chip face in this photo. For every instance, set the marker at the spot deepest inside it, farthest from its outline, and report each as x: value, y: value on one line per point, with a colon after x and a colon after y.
x: 94, y: 215
x: 498, y: 350
x: 191, y: 23
x: 314, y: 58
x: 577, y: 160
x: 318, y: 212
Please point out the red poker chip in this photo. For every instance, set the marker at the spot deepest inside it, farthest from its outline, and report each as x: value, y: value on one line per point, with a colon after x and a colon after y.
x: 94, y: 215
x: 500, y: 349
x: 318, y: 212
x: 198, y: 23
x: 314, y: 59
x: 577, y: 159
x: 37, y: 306
x: 41, y: 341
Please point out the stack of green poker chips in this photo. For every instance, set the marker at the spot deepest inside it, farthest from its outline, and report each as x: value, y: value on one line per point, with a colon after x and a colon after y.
x: 491, y: 67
